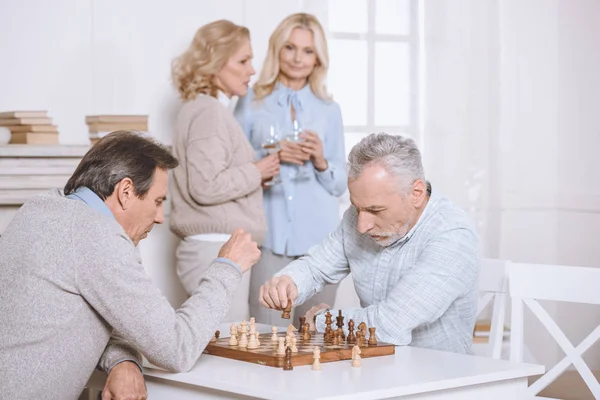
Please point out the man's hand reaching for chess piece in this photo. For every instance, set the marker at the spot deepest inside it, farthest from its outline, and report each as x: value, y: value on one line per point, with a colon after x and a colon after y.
x: 276, y: 292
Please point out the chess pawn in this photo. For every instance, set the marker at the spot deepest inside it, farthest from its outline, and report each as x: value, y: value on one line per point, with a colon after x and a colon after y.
x: 301, y: 326
x: 306, y: 334
x: 372, y: 338
x: 294, y: 348
x: 356, y: 356
x: 316, y: 366
x: 274, y: 334
x: 281, y: 346
x: 215, y: 337
x: 243, y: 342
x: 253, y: 342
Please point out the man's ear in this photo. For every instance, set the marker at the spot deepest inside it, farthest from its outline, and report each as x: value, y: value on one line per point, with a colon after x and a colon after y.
x: 419, y: 193
x: 125, y: 193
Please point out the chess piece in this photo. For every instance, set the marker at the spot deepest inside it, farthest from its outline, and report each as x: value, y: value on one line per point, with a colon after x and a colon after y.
x: 327, y: 336
x: 281, y: 346
x: 328, y: 323
x: 351, y: 337
x: 338, y: 341
x: 294, y: 347
x: 306, y: 334
x: 286, y: 314
x: 290, y: 330
x: 274, y: 334
x: 362, y: 327
x: 340, y: 324
x: 372, y: 338
x: 287, y: 362
x: 356, y: 356
x: 215, y: 337
x: 233, y: 339
x: 340, y: 332
x: 253, y: 342
x: 316, y: 366
x: 243, y: 342
x: 301, y: 326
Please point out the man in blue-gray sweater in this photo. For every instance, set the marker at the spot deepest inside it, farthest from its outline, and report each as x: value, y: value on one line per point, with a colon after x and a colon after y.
x: 74, y: 294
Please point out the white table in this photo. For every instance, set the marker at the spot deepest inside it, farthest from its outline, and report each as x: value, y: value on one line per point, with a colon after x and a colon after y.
x: 412, y: 373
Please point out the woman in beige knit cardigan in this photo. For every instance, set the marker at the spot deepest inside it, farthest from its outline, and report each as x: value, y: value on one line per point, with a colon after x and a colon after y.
x: 217, y: 187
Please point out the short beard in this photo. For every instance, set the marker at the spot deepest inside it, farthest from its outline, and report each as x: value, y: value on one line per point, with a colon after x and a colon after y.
x: 389, y: 238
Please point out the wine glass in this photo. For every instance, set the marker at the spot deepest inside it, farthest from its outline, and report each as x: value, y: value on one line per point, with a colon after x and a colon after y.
x: 271, y: 144
x: 302, y: 171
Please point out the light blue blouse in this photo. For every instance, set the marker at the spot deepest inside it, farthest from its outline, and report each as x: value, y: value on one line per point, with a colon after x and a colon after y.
x: 300, y: 212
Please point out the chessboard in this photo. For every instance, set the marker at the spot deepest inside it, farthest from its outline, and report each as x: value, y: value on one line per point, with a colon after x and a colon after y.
x: 266, y: 354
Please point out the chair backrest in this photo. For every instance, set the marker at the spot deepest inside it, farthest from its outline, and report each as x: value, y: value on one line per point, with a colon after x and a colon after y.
x: 531, y: 282
x: 493, y: 286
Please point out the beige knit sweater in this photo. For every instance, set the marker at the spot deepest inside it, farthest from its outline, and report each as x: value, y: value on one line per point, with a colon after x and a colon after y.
x: 216, y: 188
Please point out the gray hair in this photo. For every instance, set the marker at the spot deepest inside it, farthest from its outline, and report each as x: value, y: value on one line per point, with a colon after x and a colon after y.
x: 398, y: 154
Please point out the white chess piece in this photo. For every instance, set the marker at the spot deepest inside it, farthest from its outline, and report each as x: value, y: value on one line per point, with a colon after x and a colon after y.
x: 274, y: 335
x: 281, y: 347
x: 233, y: 339
x: 253, y: 342
x: 294, y: 348
x: 316, y: 366
x: 243, y: 342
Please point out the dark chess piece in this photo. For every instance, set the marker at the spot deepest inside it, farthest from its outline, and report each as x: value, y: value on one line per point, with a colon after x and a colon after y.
x: 286, y: 314
x: 372, y: 338
x: 301, y: 326
x: 217, y: 334
x: 328, y: 322
x: 351, y: 337
x: 306, y: 332
x: 328, y: 335
x: 287, y: 362
x: 340, y: 323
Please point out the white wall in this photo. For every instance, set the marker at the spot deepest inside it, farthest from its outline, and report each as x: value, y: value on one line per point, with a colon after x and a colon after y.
x: 511, y: 133
x: 81, y: 57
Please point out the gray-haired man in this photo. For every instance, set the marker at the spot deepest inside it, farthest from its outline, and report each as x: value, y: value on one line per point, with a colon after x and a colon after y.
x: 414, y: 256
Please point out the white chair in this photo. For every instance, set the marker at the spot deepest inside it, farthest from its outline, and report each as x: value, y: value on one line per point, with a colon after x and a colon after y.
x: 529, y: 283
x: 493, y: 286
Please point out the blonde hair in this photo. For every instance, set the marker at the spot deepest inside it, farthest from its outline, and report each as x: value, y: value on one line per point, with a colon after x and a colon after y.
x: 270, y: 70
x: 213, y: 44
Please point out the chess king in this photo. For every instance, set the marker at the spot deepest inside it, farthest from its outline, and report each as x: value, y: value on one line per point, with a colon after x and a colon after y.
x: 414, y: 255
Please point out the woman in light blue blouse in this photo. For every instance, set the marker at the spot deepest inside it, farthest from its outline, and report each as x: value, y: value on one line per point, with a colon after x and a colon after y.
x: 290, y: 100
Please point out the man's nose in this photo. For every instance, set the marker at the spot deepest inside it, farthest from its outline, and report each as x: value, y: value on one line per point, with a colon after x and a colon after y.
x: 364, y: 223
x: 160, y: 216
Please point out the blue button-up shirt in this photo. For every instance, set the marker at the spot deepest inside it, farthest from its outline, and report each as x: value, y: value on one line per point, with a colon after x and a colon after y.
x: 419, y: 291
x: 299, y: 212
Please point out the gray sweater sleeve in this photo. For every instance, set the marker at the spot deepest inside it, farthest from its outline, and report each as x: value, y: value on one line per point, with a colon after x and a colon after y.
x: 118, y: 350
x: 114, y: 282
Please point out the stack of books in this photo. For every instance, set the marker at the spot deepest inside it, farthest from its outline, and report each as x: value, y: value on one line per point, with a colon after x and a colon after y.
x: 101, y: 125
x: 29, y: 127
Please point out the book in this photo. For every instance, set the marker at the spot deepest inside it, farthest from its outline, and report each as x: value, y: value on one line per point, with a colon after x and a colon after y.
x: 105, y: 127
x: 33, y: 128
x: 109, y: 119
x: 33, y: 138
x: 25, y: 121
x: 23, y: 114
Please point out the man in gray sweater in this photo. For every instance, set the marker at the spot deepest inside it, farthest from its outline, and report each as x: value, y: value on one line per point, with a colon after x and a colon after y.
x: 74, y: 294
